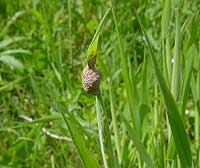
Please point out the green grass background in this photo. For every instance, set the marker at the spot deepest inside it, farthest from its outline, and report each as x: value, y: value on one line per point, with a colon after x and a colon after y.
x: 148, y: 112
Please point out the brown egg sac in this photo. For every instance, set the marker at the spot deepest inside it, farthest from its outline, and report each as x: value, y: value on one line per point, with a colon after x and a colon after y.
x: 91, y: 80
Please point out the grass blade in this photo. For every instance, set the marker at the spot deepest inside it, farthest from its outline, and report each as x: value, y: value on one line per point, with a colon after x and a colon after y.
x: 98, y: 109
x: 15, y: 51
x: 177, y: 57
x: 92, y: 49
x: 165, y: 18
x: 114, y: 122
x: 87, y: 158
x: 141, y: 149
x: 186, y: 86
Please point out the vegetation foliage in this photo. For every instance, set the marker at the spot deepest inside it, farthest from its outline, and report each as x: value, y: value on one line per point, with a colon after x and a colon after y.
x: 147, y: 113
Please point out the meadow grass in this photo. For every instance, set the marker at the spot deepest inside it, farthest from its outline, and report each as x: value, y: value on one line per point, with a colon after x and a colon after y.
x: 147, y: 113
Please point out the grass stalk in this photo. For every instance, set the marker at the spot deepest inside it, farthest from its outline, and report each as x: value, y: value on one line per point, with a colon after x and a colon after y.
x: 99, y: 27
x: 100, y: 130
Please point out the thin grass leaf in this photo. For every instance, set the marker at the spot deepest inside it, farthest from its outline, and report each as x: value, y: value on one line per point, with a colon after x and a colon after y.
x: 186, y: 86
x: 15, y: 51
x: 177, y: 58
x: 100, y: 130
x: 165, y: 18
x: 114, y: 123
x: 74, y: 127
x: 92, y: 49
x: 176, y: 123
x: 194, y: 33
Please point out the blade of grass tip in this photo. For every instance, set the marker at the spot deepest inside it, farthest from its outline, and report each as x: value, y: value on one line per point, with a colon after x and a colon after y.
x: 74, y: 127
x: 92, y: 49
x: 139, y: 146
x: 176, y: 123
x: 98, y: 109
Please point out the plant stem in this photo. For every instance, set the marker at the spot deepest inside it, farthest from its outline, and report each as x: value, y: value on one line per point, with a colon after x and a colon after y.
x: 98, y: 109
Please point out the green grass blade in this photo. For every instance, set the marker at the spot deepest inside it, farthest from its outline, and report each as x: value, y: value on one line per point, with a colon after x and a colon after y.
x: 114, y: 123
x: 15, y: 51
x: 176, y: 123
x: 87, y: 158
x: 177, y: 58
x: 92, y: 49
x: 165, y: 18
x: 186, y: 85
